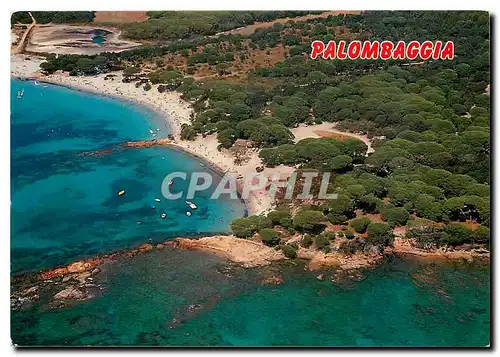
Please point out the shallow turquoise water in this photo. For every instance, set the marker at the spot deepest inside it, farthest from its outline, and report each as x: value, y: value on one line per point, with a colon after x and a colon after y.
x: 147, y: 302
x: 65, y: 206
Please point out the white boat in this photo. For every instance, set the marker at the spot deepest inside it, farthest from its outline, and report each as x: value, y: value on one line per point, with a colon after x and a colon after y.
x: 188, y: 213
x: 157, y: 199
x: 36, y: 82
x: 191, y: 205
x: 163, y: 215
x: 20, y: 93
x: 171, y: 182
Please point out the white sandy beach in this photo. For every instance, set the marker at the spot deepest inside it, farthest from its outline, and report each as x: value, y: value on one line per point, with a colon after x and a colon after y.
x: 177, y: 112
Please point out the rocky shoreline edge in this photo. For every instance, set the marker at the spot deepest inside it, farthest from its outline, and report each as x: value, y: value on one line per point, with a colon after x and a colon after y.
x: 57, y: 287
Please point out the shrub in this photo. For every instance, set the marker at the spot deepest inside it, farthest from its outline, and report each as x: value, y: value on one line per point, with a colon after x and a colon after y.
x: 360, y: 224
x: 425, y: 236
x: 340, y: 234
x: 188, y: 133
x: 281, y: 217
x: 306, y: 241
x: 352, y: 246
x: 481, y: 235
x: 349, y: 235
x: 246, y: 227
x: 370, y: 203
x: 269, y: 236
x: 321, y: 241
x: 309, y: 220
x: 289, y: 251
x: 330, y: 235
x: 130, y: 71
x: 380, y: 234
x: 456, y: 234
x: 395, y: 216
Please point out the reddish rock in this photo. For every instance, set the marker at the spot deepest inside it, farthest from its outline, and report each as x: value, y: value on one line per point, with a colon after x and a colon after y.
x: 76, y: 267
x: 53, y: 273
x: 273, y: 280
x: 146, y: 247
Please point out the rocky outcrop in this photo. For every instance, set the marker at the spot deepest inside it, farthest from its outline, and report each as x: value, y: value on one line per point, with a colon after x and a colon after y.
x: 273, y: 280
x: 147, y: 143
x: 404, y: 246
x: 243, y: 251
x: 76, y: 267
x: 62, y: 285
x: 23, y: 298
x: 71, y: 293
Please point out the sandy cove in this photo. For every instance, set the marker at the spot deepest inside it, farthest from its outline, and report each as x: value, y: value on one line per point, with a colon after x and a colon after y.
x: 174, y: 110
x: 177, y: 112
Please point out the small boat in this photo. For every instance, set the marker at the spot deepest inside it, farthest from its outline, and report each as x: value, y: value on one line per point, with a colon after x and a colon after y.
x: 139, y: 222
x: 188, y: 213
x: 191, y: 205
x: 152, y: 206
x: 157, y: 199
x: 163, y: 215
x: 171, y: 182
x: 36, y: 82
x: 121, y: 193
x: 20, y: 93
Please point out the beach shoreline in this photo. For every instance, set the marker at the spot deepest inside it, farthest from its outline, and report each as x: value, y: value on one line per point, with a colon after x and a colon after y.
x: 176, y: 112
x: 169, y: 106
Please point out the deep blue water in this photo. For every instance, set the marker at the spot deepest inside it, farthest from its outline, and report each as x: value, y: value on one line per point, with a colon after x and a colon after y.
x: 65, y: 206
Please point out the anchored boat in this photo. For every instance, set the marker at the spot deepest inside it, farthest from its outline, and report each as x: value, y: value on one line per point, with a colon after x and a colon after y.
x: 191, y: 205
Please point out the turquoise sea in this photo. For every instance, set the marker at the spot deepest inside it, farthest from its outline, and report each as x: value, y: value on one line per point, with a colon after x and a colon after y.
x: 185, y: 298
x: 65, y: 206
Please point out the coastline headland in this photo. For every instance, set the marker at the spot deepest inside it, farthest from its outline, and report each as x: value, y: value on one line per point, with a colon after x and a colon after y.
x: 81, y: 280
x: 177, y: 112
